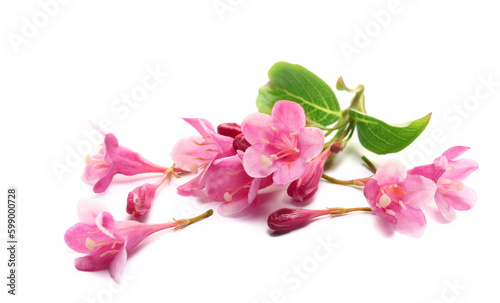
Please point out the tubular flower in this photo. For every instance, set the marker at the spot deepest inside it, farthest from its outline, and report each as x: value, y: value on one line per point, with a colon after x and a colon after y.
x: 198, y: 152
x: 281, y: 145
x: 231, y: 185
x: 107, y: 242
x: 397, y: 197
x: 449, y: 174
x: 306, y: 186
x: 114, y: 159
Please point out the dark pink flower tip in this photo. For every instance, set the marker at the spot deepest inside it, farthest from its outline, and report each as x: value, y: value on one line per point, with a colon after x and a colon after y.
x: 114, y: 159
x: 287, y: 219
x: 229, y: 129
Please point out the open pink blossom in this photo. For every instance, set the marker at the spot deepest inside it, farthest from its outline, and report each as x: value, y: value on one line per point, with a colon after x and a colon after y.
x: 449, y: 175
x: 231, y: 185
x: 397, y: 197
x: 306, y: 186
x: 281, y: 145
x: 114, y: 159
x: 106, y: 241
x: 197, y: 153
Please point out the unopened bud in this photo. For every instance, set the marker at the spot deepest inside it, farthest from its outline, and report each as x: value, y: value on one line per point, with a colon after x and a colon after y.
x: 229, y: 129
x: 240, y: 143
x: 287, y: 219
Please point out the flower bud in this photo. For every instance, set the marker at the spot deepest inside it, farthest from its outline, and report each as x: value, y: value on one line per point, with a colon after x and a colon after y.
x: 287, y: 219
x: 229, y: 129
x: 240, y: 143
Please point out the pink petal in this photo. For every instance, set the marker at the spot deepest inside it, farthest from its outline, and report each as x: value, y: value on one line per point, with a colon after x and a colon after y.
x: 410, y: 221
x: 189, y: 153
x: 432, y: 171
x: 103, y: 183
x: 463, y: 199
x: 255, y: 165
x: 418, y: 190
x: 390, y: 172
x: 95, y: 261
x: 288, y: 115
x: 288, y: 172
x: 454, y: 152
x: 203, y: 126
x: 232, y: 208
x: 95, y: 167
x: 106, y: 224
x: 117, y: 266
x: 372, y: 194
x: 88, y: 209
x: 445, y: 207
x: 192, y: 186
x: 458, y: 170
x: 311, y: 143
x: 76, y: 236
x: 257, y: 126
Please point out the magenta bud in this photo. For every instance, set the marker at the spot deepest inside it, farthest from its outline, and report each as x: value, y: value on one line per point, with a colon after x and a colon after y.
x: 336, y: 147
x: 229, y: 129
x: 287, y: 219
x: 240, y: 143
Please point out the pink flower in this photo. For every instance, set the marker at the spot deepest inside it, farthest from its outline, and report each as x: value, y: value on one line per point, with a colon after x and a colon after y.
x: 106, y: 241
x: 114, y: 159
x: 198, y: 152
x: 306, y: 186
x: 449, y: 175
x: 140, y: 199
x: 280, y: 144
x: 230, y: 184
x: 397, y: 197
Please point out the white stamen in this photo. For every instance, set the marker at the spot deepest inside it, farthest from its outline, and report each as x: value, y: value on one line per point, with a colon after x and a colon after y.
x: 228, y: 197
x: 390, y: 212
x: 402, y: 204
x: 90, y: 244
x: 384, y: 201
x: 444, y: 181
x: 265, y: 161
x: 194, y: 168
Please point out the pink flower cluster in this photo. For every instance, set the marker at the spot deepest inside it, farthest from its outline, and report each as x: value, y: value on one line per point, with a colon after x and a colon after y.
x: 235, y: 162
x: 113, y: 159
x: 398, y: 196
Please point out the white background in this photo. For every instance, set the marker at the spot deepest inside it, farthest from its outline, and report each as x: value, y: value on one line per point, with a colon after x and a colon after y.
x: 419, y: 57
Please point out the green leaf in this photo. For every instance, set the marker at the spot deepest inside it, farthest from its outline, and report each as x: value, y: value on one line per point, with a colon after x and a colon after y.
x: 383, y: 138
x: 295, y: 83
